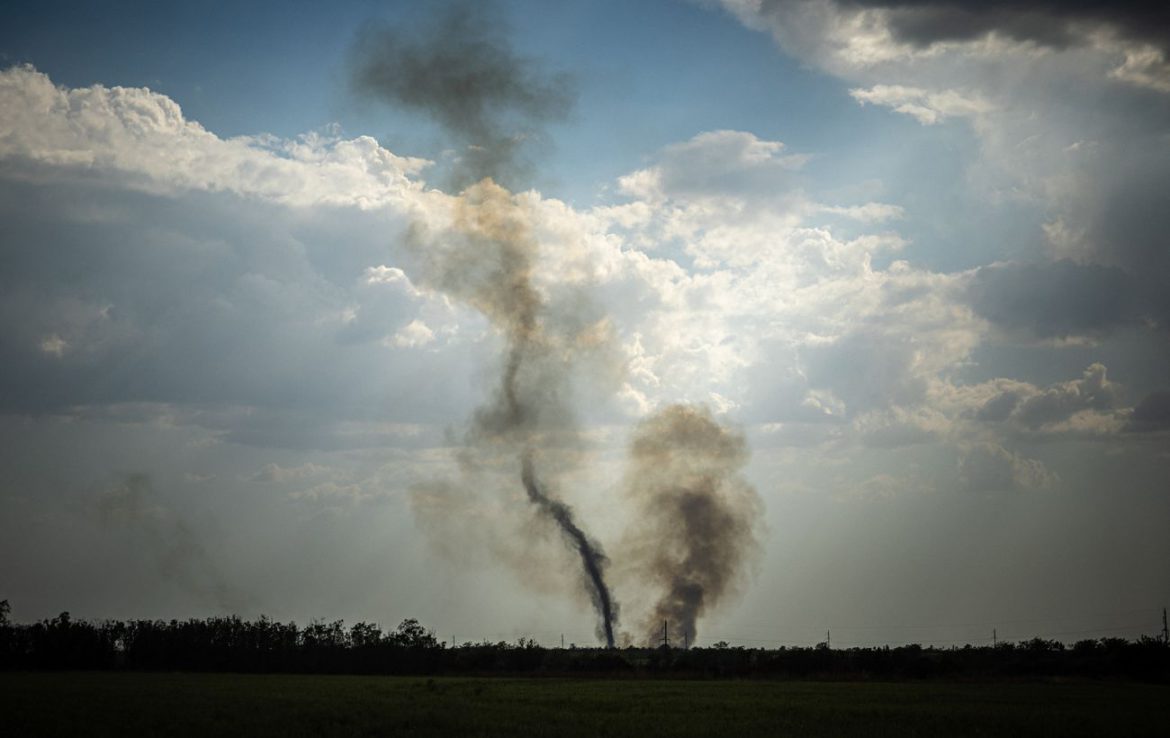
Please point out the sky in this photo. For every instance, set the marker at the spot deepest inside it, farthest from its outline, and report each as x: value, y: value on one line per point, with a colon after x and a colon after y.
x: 847, y: 316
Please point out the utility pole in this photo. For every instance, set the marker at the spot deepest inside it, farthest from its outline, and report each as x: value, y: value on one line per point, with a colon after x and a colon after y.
x: 665, y: 635
x: 562, y: 641
x: 1165, y: 630
x: 994, y: 638
x: 686, y: 639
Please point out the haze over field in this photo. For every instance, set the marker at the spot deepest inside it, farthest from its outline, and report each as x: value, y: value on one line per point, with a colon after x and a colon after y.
x: 762, y: 318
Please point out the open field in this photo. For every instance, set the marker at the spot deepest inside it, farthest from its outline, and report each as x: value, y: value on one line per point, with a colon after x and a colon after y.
x: 107, y: 703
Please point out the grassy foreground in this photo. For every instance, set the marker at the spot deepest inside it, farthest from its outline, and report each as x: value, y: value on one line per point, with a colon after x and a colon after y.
x: 119, y: 703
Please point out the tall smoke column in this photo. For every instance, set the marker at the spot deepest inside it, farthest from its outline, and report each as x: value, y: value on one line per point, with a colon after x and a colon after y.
x: 697, y: 517
x: 465, y: 76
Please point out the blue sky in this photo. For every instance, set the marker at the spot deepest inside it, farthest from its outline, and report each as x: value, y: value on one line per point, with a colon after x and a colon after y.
x: 253, y: 340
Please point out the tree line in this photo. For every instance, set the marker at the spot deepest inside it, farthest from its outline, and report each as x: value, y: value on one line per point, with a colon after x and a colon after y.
x: 232, y: 644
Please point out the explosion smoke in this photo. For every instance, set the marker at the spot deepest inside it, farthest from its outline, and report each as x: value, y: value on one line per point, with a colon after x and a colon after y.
x: 465, y: 75
x: 697, y: 516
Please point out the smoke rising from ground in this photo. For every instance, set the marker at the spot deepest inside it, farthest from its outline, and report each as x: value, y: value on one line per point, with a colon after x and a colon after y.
x: 592, y: 557
x: 463, y: 72
x: 129, y: 504
x: 696, y: 523
x: 485, y: 259
x: 695, y: 526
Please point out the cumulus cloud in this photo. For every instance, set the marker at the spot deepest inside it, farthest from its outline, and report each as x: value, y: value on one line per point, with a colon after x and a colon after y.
x: 176, y: 268
x: 1088, y: 173
x: 775, y: 317
x: 143, y: 137
x: 926, y: 106
x: 1062, y: 401
x: 1094, y: 165
x: 413, y: 335
x: 989, y: 467
x: 716, y: 164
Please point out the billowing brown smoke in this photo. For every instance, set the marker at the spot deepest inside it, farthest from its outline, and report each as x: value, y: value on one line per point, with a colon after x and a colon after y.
x: 463, y: 73
x: 697, y: 519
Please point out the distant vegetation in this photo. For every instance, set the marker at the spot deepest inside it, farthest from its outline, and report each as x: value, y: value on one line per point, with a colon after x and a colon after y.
x: 231, y: 644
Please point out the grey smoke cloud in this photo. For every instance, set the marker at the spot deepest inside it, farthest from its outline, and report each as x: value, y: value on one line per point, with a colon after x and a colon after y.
x: 697, y: 520
x: 461, y: 70
x: 130, y: 505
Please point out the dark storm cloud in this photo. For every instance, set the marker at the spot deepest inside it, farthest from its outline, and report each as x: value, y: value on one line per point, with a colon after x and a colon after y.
x: 1152, y: 414
x: 461, y: 70
x: 1045, y: 22
x: 1055, y: 300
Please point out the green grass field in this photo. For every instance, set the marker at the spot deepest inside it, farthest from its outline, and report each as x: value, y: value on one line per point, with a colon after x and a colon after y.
x: 103, y: 703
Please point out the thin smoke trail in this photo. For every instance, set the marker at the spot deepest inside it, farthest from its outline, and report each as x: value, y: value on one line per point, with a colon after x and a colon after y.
x: 592, y: 559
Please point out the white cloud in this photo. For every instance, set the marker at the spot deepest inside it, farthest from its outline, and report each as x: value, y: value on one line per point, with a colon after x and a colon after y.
x: 413, y: 335
x: 870, y: 212
x: 714, y: 164
x: 54, y: 345
x: 926, y: 106
x: 774, y: 318
x: 143, y: 136
x: 1008, y: 74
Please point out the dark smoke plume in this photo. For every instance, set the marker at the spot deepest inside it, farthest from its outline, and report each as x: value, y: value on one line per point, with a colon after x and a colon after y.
x: 486, y: 260
x: 697, y: 518
x: 463, y: 73
x: 178, y: 556
x: 592, y: 558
